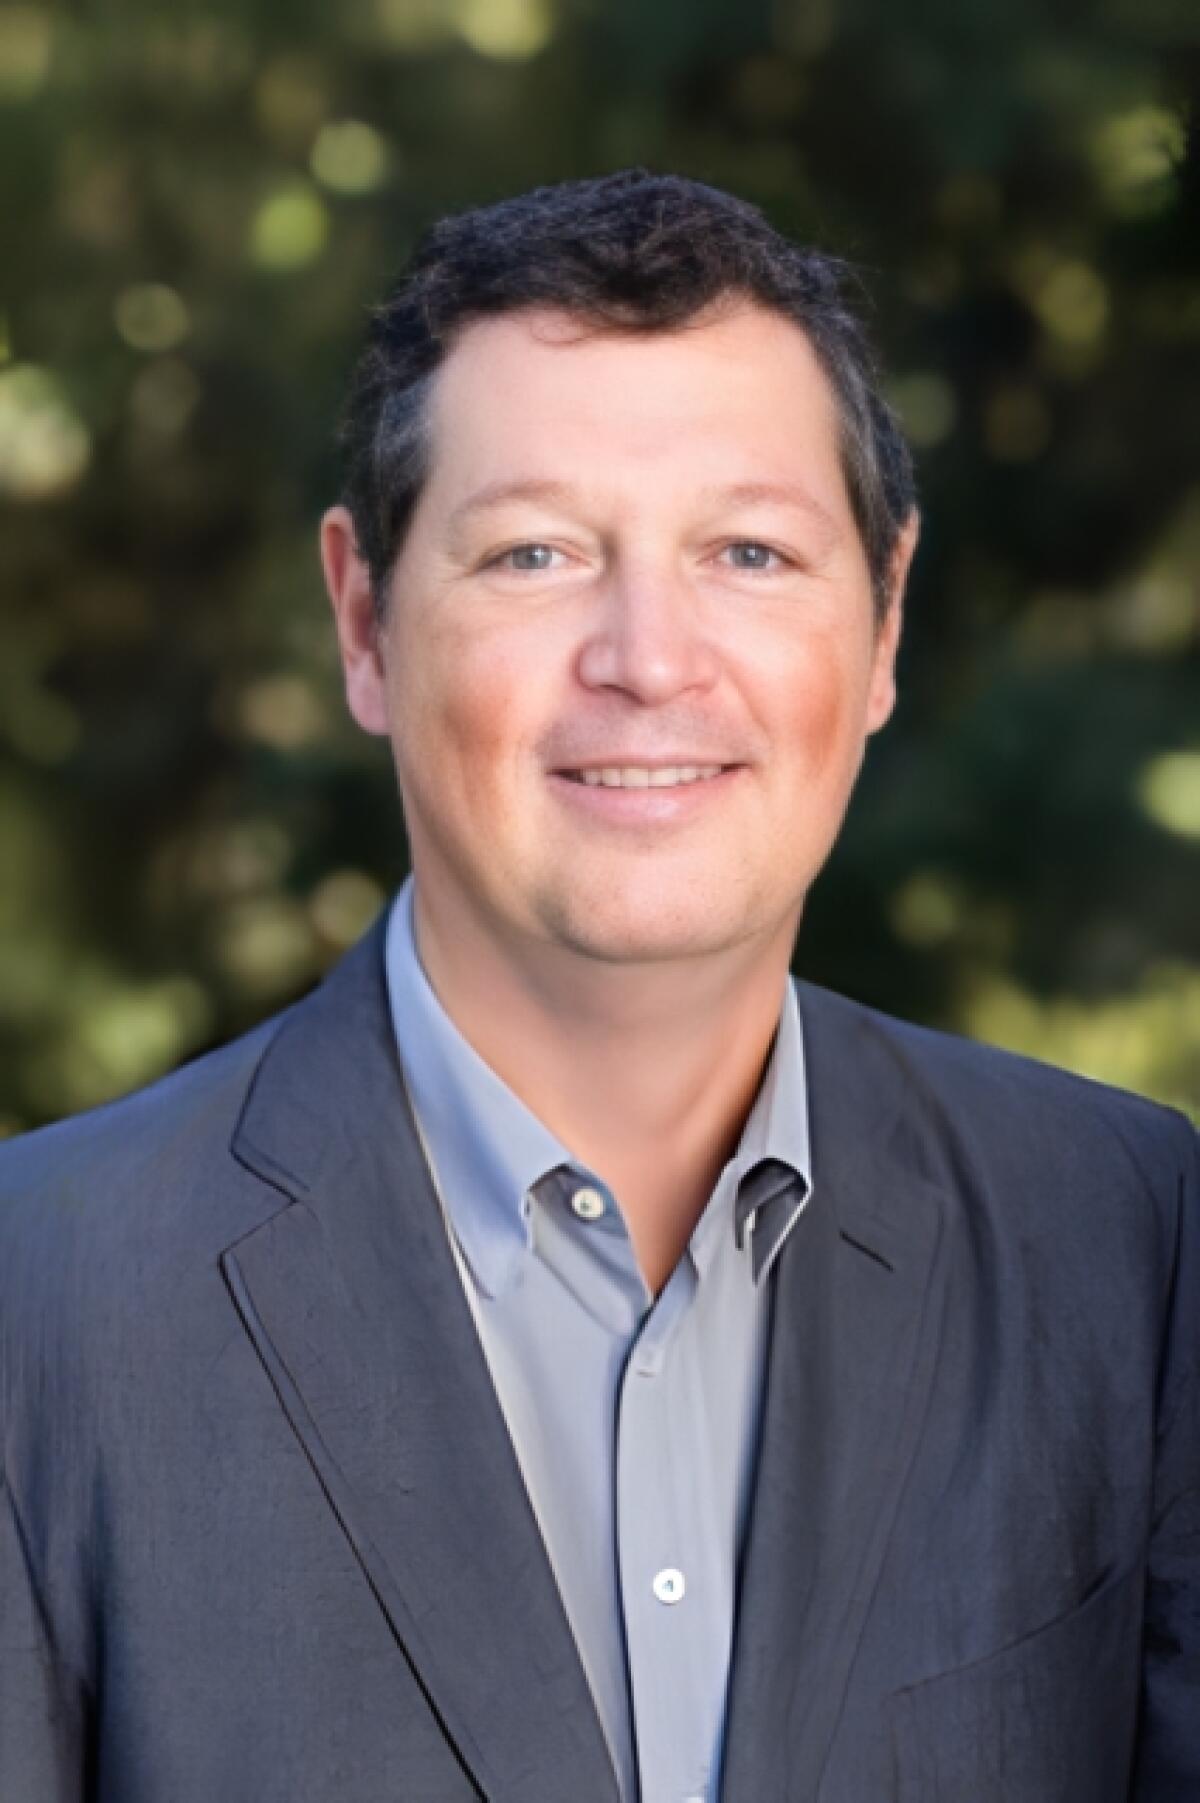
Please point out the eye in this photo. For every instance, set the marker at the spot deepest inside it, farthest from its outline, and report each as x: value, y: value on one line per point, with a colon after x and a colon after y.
x: 748, y: 554
x: 524, y: 558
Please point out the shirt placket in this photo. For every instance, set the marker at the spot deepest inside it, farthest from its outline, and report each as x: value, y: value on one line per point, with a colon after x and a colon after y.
x: 666, y: 1557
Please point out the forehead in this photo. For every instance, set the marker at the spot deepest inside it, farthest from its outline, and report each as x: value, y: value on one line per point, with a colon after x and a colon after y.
x: 737, y: 394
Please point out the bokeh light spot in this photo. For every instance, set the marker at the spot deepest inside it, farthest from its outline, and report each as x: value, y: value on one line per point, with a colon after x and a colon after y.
x: 26, y: 43
x: 290, y: 228
x: 134, y: 1034
x: 1072, y: 303
x: 344, y: 904
x: 412, y: 26
x: 1136, y: 154
x: 265, y: 945
x: 508, y: 30
x: 1157, y: 613
x: 350, y: 157
x: 44, y: 445
x: 1146, y: 1039
x: 1168, y: 788
x: 151, y: 317
x: 927, y: 909
x: 927, y: 407
x: 228, y: 860
x: 282, y: 711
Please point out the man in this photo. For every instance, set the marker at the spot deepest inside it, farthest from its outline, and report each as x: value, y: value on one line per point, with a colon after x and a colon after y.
x: 563, y: 1358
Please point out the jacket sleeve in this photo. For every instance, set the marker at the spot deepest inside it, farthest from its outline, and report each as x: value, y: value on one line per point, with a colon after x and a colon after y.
x: 1167, y: 1765
x: 43, y: 1712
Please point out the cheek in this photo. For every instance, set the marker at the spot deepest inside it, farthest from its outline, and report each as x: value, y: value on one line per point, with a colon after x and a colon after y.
x: 821, y: 706
x: 455, y: 714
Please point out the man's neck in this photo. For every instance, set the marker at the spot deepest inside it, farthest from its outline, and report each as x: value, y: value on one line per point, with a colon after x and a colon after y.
x: 646, y: 1072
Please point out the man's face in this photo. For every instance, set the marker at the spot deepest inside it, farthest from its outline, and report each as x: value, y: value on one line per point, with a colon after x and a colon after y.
x: 632, y: 553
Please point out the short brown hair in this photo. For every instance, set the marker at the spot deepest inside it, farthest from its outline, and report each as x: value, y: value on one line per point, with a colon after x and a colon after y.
x: 631, y: 251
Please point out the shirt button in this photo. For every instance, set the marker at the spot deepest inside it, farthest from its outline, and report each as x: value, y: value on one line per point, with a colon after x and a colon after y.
x: 669, y: 1585
x: 588, y: 1204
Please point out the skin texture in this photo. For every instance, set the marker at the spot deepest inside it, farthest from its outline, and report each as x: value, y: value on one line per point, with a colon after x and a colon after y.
x: 623, y: 971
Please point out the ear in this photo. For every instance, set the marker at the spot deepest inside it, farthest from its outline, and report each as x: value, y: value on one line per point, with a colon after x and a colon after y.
x: 358, y: 629
x: 881, y: 695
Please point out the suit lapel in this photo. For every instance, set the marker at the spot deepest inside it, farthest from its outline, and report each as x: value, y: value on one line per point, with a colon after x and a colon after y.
x: 352, y: 1298
x: 851, y: 1354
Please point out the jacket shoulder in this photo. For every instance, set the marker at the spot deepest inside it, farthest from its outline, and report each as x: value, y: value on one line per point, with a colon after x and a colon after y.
x: 1021, y: 1110
x: 135, y: 1172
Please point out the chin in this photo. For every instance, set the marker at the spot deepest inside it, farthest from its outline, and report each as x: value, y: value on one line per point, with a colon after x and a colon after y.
x: 649, y: 933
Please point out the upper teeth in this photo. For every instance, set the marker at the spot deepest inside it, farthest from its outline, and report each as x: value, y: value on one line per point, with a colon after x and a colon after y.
x: 637, y: 776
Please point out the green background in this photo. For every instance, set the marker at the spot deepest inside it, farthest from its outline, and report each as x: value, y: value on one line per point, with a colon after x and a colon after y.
x: 198, y: 206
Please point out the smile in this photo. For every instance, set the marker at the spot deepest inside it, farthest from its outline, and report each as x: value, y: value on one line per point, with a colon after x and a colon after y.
x: 622, y: 797
x: 641, y: 776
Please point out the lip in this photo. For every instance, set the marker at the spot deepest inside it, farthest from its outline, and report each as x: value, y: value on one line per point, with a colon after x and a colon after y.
x: 625, y: 760
x: 646, y: 807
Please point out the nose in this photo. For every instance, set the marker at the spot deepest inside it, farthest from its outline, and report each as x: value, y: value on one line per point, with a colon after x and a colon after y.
x: 648, y: 636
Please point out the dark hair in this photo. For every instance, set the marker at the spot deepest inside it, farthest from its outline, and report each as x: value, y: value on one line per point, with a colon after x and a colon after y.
x: 630, y: 251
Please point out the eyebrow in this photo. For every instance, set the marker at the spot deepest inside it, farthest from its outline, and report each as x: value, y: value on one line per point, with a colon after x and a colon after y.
x: 775, y: 494
x: 495, y: 494
x: 738, y: 494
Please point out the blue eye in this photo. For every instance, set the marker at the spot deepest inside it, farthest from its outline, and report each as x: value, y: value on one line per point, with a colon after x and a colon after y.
x: 753, y: 556
x: 527, y: 557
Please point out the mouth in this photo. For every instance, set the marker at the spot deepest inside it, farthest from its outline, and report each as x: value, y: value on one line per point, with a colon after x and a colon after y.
x: 624, y: 797
x: 644, y: 776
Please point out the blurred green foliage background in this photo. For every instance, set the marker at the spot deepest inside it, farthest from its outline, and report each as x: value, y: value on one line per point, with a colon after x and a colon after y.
x: 200, y: 201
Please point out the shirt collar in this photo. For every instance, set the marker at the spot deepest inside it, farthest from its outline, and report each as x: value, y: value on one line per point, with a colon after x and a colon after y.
x: 488, y: 1150
x: 770, y: 1174
x: 486, y: 1147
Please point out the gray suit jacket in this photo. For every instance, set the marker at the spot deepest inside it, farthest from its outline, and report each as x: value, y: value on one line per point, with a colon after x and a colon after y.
x: 263, y: 1538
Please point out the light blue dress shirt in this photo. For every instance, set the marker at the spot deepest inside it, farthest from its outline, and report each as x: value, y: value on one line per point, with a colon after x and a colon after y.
x: 634, y: 1419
